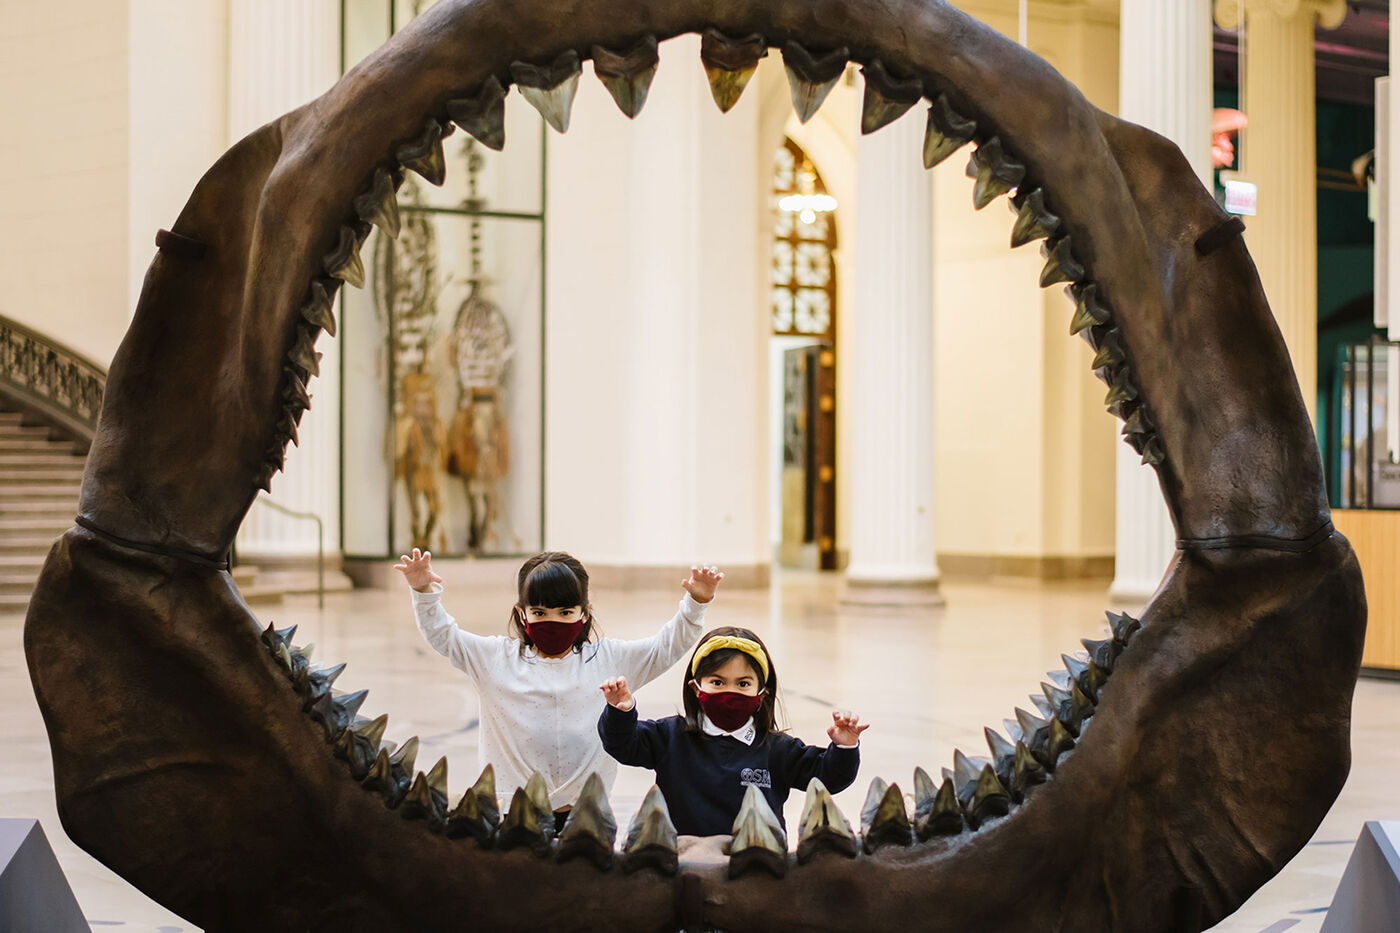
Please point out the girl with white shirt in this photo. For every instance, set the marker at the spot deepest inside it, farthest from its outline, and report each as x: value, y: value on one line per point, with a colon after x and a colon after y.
x: 538, y: 684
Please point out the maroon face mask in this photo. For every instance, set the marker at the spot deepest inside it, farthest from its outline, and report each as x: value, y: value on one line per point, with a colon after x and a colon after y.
x: 728, y: 710
x: 554, y: 637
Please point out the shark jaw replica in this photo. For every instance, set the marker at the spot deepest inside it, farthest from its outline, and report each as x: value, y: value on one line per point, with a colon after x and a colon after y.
x: 1171, y: 770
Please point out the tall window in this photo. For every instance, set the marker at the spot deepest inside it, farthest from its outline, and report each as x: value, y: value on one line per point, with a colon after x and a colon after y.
x: 803, y: 295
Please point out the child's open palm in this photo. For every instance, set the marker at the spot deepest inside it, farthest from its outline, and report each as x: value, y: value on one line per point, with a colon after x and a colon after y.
x: 418, y: 569
x: 846, y: 727
x: 616, y: 693
x: 702, y: 583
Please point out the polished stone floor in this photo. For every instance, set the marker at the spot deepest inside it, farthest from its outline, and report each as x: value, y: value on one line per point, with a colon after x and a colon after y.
x: 927, y: 679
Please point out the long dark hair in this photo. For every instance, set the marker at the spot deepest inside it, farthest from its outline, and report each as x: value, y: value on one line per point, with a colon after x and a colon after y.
x: 552, y: 580
x: 765, y: 719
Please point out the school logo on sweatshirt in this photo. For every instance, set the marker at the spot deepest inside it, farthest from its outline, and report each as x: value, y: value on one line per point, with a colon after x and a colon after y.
x: 755, y: 777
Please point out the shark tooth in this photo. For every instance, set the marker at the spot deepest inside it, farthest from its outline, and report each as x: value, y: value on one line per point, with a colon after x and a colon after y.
x: 1051, y: 743
x: 1026, y: 773
x: 591, y: 828
x: 284, y: 657
x: 343, y: 262
x: 995, y: 172
x: 530, y: 819
x: 273, y: 636
x: 627, y: 75
x: 729, y: 64
x: 379, y: 205
x: 1103, y: 653
x: 924, y: 793
x: 948, y: 131
x: 424, y: 801
x: 1003, y: 750
x: 483, y: 115
x: 1139, y: 423
x: 294, y: 389
x: 424, y: 155
x: 945, y: 815
x: 1122, y: 389
x: 887, y: 98
x: 1033, y: 220
x: 1060, y: 679
x: 883, y: 819
x: 811, y: 77
x: 1137, y: 442
x: 651, y: 839
x: 1060, y: 264
x: 1089, y: 311
x: 1075, y: 667
x: 1042, y: 705
x: 403, y: 759
x: 317, y: 310
x: 1153, y: 453
x: 550, y: 88
x: 316, y: 685
x: 965, y: 772
x: 386, y: 780
x: 759, y: 840
x: 823, y: 827
x: 1110, y: 351
x: 303, y: 353
x: 477, y: 814
x: 359, y: 746
x: 287, y: 427
x: 989, y: 798
x: 1123, y: 626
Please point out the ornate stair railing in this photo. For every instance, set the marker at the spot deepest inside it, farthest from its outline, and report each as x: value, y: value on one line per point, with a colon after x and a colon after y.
x: 54, y: 383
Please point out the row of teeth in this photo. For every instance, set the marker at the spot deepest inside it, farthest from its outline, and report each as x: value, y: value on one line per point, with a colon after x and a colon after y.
x: 729, y: 64
x: 972, y: 793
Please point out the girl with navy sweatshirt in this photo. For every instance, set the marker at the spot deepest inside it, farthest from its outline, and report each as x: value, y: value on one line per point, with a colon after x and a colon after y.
x: 728, y: 739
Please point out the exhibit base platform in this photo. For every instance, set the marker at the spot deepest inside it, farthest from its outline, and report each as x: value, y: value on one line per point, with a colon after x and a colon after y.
x: 1368, y: 897
x: 34, y: 895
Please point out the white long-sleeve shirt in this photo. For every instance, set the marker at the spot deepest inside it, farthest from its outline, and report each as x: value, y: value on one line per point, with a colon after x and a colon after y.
x: 541, y: 714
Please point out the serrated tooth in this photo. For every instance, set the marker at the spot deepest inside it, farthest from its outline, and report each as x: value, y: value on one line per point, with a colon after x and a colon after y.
x: 425, y: 802
x: 273, y: 636
x: 964, y: 771
x: 1042, y: 705
x: 883, y: 819
x: 628, y: 75
x: 1003, y: 751
x: 811, y: 77
x: 948, y: 131
x: 1089, y: 309
x: 887, y: 98
x: 1138, y: 423
x: 424, y: 155
x: 477, y: 814
x: 303, y: 353
x: 1033, y: 220
x: 317, y: 311
x: 759, y: 840
x: 1060, y: 679
x: 1103, y: 653
x: 989, y: 798
x: 996, y: 172
x: 482, y: 115
x: 1026, y: 773
x: 823, y: 827
x: 343, y: 262
x: 294, y: 389
x: 287, y: 427
x: 591, y: 828
x: 1153, y: 452
x: 729, y: 64
x: 530, y: 820
x: 1110, y: 351
x: 1123, y: 626
x: 1060, y: 264
x: 651, y: 838
x: 945, y: 815
x: 1121, y: 390
x: 380, y: 204
x: 550, y: 88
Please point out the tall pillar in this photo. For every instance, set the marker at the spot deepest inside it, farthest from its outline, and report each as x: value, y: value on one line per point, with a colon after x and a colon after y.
x: 1165, y: 77
x: 283, y: 53
x: 890, y: 376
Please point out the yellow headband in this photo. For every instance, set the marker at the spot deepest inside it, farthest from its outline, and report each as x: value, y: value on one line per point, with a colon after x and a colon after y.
x: 748, y: 646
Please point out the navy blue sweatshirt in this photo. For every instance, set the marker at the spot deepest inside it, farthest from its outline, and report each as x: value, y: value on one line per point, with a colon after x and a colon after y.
x: 704, y: 777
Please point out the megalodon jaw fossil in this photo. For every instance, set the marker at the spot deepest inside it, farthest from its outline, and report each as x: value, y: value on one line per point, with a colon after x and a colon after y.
x: 1172, y: 767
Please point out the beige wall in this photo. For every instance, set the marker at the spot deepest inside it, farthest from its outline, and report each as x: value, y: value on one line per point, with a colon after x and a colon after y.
x: 63, y: 171
x: 1024, y: 446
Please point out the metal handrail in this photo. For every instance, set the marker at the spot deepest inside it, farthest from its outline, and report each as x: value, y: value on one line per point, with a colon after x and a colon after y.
x: 320, y: 543
x: 59, y: 384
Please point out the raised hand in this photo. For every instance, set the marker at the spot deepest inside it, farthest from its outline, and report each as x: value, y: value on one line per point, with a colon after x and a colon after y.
x: 417, y: 569
x: 702, y: 583
x: 845, y: 727
x: 616, y: 693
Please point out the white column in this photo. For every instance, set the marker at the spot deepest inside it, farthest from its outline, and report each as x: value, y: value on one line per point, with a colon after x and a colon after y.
x: 1164, y: 84
x: 283, y: 53
x: 890, y: 375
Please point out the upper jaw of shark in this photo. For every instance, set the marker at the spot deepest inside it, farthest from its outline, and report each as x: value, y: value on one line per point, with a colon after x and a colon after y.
x: 203, y: 758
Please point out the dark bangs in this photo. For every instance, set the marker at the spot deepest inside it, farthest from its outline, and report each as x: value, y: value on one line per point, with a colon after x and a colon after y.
x: 551, y: 585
